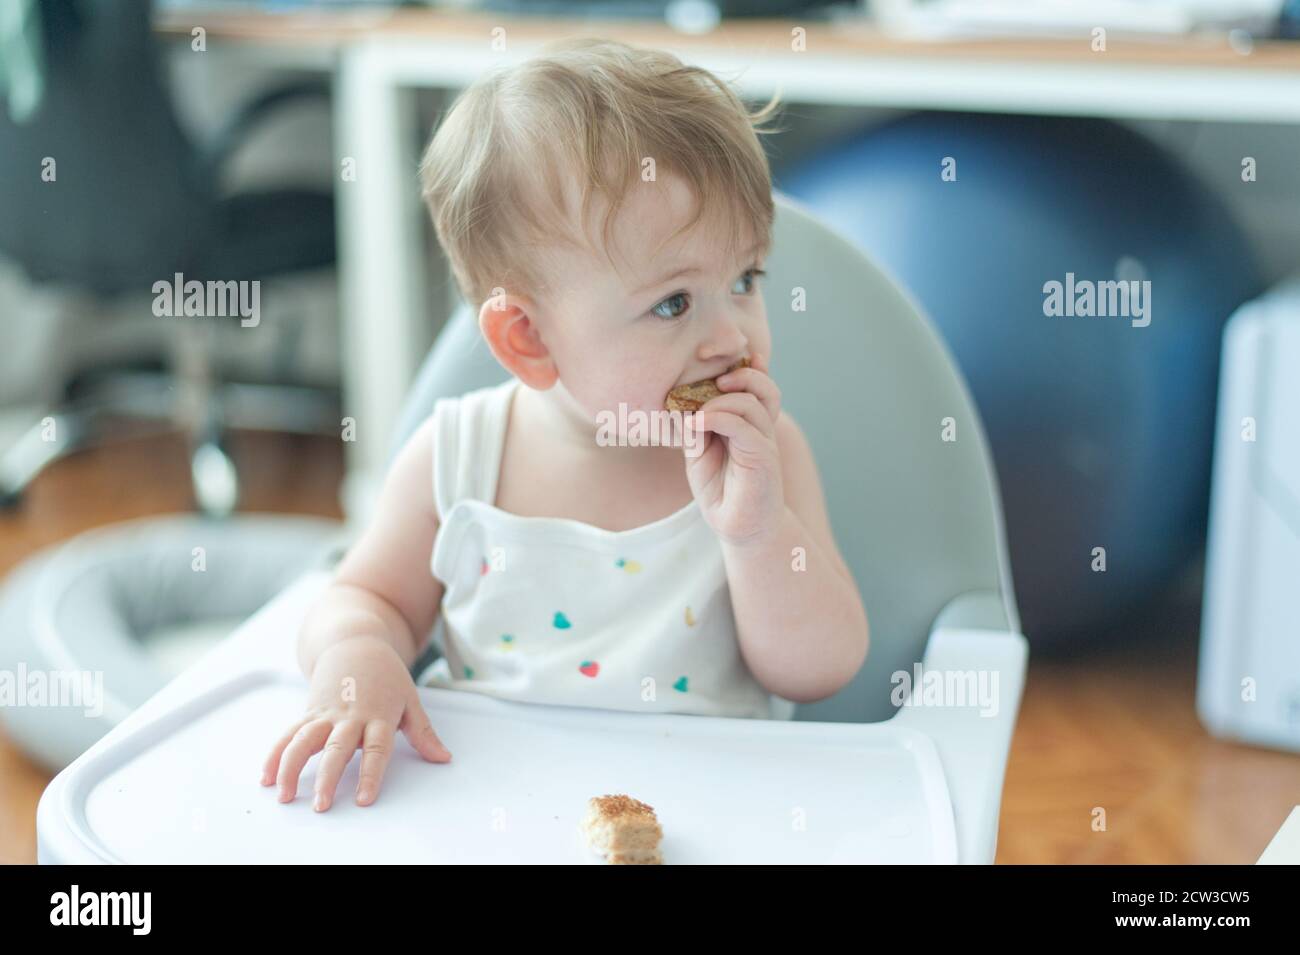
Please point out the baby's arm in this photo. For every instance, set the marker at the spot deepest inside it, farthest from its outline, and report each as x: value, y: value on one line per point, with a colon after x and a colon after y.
x: 384, y: 587
x: 360, y: 638
x: 800, y: 619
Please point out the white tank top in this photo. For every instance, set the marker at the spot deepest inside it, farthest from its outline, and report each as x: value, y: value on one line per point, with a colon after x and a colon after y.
x: 554, y: 610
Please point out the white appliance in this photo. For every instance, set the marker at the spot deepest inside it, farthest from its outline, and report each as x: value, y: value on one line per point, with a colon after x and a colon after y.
x: 1248, y: 686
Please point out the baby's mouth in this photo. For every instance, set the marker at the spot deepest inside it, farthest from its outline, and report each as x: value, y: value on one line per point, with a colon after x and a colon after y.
x: 743, y: 363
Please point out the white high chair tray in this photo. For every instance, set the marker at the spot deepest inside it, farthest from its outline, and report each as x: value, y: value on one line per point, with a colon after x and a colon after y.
x: 178, y: 779
x: 185, y: 788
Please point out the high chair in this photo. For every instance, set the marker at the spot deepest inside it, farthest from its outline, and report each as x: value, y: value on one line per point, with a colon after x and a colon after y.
x: 857, y: 777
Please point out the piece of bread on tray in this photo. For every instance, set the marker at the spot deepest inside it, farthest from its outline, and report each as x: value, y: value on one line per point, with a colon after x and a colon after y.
x: 622, y: 829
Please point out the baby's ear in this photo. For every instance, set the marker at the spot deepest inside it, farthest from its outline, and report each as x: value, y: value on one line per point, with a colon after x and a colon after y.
x: 509, y: 326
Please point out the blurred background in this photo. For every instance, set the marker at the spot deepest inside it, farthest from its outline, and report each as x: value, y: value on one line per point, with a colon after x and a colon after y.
x: 217, y: 281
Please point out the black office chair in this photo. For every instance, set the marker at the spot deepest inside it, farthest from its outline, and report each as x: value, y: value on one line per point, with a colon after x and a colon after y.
x: 133, y: 201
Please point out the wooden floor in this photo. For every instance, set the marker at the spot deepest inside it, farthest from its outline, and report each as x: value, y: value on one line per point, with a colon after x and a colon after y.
x: 1113, y: 729
x: 1116, y: 730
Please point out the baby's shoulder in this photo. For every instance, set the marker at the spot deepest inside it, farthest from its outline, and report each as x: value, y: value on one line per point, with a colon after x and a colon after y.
x: 477, y: 402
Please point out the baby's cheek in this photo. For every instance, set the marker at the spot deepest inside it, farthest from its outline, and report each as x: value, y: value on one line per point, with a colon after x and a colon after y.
x: 604, y: 397
x: 632, y: 395
x: 647, y: 397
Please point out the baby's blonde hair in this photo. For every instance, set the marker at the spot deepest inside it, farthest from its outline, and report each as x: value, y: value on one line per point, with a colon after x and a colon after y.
x: 492, y: 174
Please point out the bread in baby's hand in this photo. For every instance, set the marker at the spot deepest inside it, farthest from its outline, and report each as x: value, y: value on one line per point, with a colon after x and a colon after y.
x: 624, y: 830
x: 691, y: 397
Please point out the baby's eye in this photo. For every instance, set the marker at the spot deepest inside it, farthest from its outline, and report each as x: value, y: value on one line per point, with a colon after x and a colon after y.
x: 669, y: 301
x: 748, y: 278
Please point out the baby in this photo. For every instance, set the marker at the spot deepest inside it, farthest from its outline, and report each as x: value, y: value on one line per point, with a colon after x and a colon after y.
x: 608, y: 209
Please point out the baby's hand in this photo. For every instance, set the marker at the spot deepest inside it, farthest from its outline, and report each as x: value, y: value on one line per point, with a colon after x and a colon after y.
x: 360, y: 691
x: 736, y: 477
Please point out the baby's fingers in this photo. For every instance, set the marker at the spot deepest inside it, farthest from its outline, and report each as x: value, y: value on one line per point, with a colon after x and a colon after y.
x: 338, y: 753
x: 309, y: 738
x: 419, y: 732
x: 376, y: 750
x: 272, y: 764
x: 756, y: 383
x: 742, y: 436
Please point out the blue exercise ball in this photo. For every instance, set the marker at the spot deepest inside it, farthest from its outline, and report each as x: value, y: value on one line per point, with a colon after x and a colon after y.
x: 1101, y: 424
